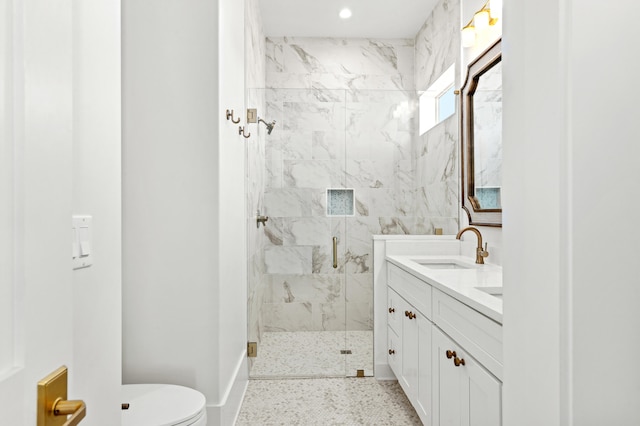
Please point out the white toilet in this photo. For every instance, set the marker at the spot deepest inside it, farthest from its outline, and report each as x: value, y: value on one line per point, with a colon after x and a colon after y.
x: 163, y: 405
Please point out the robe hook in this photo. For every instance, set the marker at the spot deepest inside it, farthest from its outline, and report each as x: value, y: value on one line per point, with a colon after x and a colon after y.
x: 230, y: 117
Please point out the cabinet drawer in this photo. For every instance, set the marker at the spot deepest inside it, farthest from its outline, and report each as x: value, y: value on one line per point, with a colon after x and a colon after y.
x: 413, y: 290
x: 479, y: 335
x: 394, y: 311
x: 394, y: 355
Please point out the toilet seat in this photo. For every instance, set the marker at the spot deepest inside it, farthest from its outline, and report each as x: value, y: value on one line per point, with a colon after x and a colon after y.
x: 163, y: 405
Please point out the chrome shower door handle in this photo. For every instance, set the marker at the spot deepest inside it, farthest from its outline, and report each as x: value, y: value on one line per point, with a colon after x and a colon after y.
x: 335, y: 252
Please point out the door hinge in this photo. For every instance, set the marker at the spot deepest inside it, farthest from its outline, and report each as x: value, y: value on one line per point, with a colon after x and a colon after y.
x: 252, y: 349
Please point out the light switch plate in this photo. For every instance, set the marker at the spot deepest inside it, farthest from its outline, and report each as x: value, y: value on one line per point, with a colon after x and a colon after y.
x: 81, y: 241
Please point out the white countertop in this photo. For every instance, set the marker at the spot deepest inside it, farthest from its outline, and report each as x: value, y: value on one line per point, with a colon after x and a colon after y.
x: 458, y: 283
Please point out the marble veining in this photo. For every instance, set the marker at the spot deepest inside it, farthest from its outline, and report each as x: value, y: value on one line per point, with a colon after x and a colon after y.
x: 437, y: 43
x: 355, y: 63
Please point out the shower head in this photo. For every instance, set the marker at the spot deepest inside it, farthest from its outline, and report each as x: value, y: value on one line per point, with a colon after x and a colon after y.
x: 270, y: 126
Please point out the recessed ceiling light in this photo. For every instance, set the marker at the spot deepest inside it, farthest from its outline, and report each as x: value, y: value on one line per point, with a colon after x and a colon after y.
x: 345, y: 13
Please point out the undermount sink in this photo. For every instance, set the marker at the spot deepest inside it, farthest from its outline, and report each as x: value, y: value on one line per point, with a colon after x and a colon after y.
x: 493, y: 291
x: 444, y: 264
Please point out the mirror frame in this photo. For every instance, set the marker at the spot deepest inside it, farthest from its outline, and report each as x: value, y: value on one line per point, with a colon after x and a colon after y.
x: 482, y: 64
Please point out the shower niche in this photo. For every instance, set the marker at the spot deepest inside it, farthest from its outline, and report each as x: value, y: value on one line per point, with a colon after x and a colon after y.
x: 340, y: 202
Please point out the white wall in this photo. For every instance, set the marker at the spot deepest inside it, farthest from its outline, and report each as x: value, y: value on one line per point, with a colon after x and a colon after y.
x: 96, y: 190
x: 7, y: 191
x: 184, y: 257
x: 232, y: 244
x: 570, y: 274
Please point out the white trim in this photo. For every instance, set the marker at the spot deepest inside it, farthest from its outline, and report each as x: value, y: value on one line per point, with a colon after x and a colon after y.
x: 384, y: 372
x: 226, y: 412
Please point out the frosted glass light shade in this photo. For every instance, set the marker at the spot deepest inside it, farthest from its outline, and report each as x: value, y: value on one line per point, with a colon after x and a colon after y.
x: 481, y: 20
x: 468, y: 36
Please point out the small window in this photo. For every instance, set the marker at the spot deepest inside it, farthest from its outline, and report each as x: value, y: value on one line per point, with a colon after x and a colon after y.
x: 439, y: 101
x: 446, y: 104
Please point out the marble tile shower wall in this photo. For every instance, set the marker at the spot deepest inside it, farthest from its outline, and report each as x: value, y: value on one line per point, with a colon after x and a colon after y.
x: 255, y: 168
x: 438, y: 43
x: 346, y: 113
x: 436, y: 152
x: 347, y: 109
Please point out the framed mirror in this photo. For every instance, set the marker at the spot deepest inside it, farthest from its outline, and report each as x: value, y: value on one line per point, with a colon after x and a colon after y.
x: 481, y: 137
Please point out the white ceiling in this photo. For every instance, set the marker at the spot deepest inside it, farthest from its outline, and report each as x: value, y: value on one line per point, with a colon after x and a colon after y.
x: 319, y: 18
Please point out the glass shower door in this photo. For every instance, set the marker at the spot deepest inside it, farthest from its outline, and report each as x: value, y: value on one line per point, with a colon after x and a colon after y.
x: 296, y: 296
x: 338, y: 164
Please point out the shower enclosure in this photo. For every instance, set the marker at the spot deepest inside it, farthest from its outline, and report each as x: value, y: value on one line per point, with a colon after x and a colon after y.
x: 338, y: 167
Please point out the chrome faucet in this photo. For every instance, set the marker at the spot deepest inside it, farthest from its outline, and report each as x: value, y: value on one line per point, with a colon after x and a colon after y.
x: 480, y: 252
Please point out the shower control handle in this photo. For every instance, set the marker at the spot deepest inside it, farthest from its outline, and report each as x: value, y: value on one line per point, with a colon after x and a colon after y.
x: 335, y: 252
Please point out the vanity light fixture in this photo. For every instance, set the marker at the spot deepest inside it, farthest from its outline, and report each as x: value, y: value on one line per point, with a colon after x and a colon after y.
x: 481, y: 20
x: 345, y: 13
x: 468, y: 35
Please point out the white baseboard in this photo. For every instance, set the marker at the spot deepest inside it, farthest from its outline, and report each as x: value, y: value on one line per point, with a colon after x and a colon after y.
x: 384, y: 372
x: 226, y: 413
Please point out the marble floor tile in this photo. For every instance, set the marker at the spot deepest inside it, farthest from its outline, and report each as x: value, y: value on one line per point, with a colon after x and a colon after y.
x: 313, y: 354
x: 328, y: 401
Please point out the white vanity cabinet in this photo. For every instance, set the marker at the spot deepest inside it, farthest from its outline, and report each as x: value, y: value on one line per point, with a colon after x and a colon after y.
x: 409, y: 338
x: 446, y: 356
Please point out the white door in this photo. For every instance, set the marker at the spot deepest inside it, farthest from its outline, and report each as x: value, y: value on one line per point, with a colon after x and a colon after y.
x: 50, y: 315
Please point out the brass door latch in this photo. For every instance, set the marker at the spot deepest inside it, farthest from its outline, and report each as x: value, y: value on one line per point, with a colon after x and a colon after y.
x: 53, y: 407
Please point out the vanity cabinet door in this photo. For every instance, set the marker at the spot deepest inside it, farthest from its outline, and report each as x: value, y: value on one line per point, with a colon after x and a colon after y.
x: 423, y: 402
x: 395, y: 314
x: 394, y: 356
x: 465, y: 395
x: 410, y: 351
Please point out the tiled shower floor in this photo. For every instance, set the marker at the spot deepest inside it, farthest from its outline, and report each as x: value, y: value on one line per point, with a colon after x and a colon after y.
x: 313, y: 354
